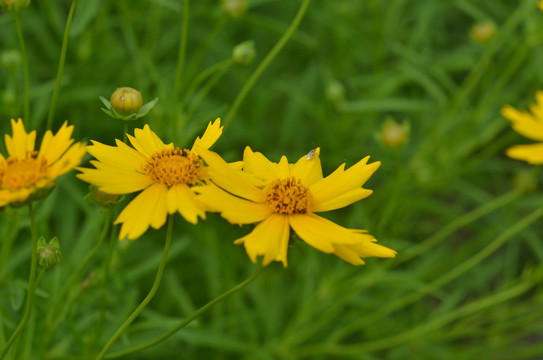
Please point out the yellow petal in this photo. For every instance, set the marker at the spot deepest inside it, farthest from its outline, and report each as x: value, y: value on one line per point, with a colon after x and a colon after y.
x: 69, y: 160
x: 308, y: 170
x: 532, y: 153
x: 341, y: 182
x: 181, y: 198
x: 113, y: 180
x: 342, y: 200
x: 234, y: 209
x: 365, y: 248
x: 270, y: 239
x: 21, y: 143
x: 212, y: 133
x: 283, y: 169
x: 229, y: 179
x: 146, y: 209
x: 121, y: 156
x: 259, y: 167
x: 53, y: 146
x: 147, y: 142
x: 524, y: 123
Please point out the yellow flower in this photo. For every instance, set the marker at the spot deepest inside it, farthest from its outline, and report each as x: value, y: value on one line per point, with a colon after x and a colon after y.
x: 27, y: 174
x: 282, y: 196
x: 529, y: 125
x: 540, y: 4
x: 164, y: 173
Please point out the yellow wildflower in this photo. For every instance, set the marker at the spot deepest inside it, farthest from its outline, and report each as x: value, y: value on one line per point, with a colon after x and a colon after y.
x: 165, y: 173
x: 529, y: 125
x: 27, y: 174
x: 282, y: 196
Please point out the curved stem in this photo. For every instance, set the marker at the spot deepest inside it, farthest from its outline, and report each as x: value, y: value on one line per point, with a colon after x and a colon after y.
x: 60, y: 66
x: 31, y: 283
x: 149, y: 296
x: 189, y: 319
x: 182, y: 51
x: 24, y: 56
x: 266, y: 62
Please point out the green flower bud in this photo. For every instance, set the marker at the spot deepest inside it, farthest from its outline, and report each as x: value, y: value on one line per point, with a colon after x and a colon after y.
x: 394, y: 135
x: 11, y: 59
x: 335, y: 92
x: 48, y: 253
x: 244, y: 53
x: 525, y: 181
x: 14, y: 5
x: 234, y: 8
x: 483, y: 32
x: 105, y: 200
x: 125, y: 104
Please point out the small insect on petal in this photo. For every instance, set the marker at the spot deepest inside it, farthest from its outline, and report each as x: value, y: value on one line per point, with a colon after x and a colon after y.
x: 310, y: 154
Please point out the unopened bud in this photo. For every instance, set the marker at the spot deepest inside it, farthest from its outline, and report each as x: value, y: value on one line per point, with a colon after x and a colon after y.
x: 394, y: 135
x: 11, y: 59
x: 234, y: 8
x: 126, y: 100
x: 98, y: 197
x: 483, y: 32
x: 244, y: 53
x: 14, y: 5
x: 335, y: 92
x: 48, y: 253
x: 525, y: 181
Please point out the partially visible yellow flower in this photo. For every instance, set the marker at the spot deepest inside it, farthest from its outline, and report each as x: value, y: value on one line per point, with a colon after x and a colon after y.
x: 165, y: 173
x: 540, y: 4
x: 26, y: 173
x: 530, y: 125
x: 282, y: 196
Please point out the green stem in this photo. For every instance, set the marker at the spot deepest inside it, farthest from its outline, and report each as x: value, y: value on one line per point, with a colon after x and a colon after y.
x: 20, y: 36
x: 439, y: 282
x: 188, y: 320
x: 149, y: 296
x: 8, y: 237
x: 54, y: 99
x: 31, y: 282
x: 182, y: 51
x: 266, y: 62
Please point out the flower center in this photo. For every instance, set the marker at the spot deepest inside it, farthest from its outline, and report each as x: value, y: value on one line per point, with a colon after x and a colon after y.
x: 21, y: 173
x: 175, y: 166
x: 288, y: 196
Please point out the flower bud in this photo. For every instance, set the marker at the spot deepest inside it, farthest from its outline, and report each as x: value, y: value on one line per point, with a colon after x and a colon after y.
x: 525, y: 181
x: 335, y: 92
x: 48, y: 253
x: 14, y: 5
x: 234, y: 8
x: 483, y: 32
x: 11, y: 59
x: 126, y: 100
x: 394, y: 135
x: 98, y: 197
x: 244, y: 53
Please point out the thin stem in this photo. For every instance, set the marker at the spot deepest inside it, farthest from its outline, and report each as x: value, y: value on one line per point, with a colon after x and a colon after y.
x: 189, y: 319
x: 31, y: 282
x: 452, y: 274
x: 182, y: 51
x: 8, y: 237
x: 149, y: 296
x: 266, y: 62
x: 24, y: 56
x: 63, y: 50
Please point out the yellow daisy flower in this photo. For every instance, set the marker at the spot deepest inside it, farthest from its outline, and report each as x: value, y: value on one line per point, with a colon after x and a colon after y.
x: 165, y: 173
x: 529, y: 125
x: 540, y: 4
x: 28, y: 174
x: 282, y: 196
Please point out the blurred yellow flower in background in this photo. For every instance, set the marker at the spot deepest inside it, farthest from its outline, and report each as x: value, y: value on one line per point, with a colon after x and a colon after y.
x: 165, y: 173
x: 282, y: 196
x: 28, y: 175
x: 530, y: 125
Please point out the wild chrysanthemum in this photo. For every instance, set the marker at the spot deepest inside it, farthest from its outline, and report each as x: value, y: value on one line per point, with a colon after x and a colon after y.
x: 529, y: 125
x: 27, y: 174
x: 282, y: 196
x: 165, y: 173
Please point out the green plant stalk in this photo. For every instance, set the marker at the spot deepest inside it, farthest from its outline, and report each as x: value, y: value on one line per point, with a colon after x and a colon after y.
x: 203, y: 75
x: 149, y: 296
x: 265, y: 63
x: 10, y: 233
x: 53, y: 318
x: 62, y: 60
x: 454, y: 273
x: 427, y: 327
x: 24, y: 56
x: 189, y: 319
x: 182, y: 51
x: 31, y: 282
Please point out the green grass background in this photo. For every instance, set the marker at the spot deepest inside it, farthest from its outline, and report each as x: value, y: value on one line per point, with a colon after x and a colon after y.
x: 440, y: 201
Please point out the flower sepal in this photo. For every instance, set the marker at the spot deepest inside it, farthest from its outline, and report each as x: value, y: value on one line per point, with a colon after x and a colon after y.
x: 104, y: 200
x: 37, y: 195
